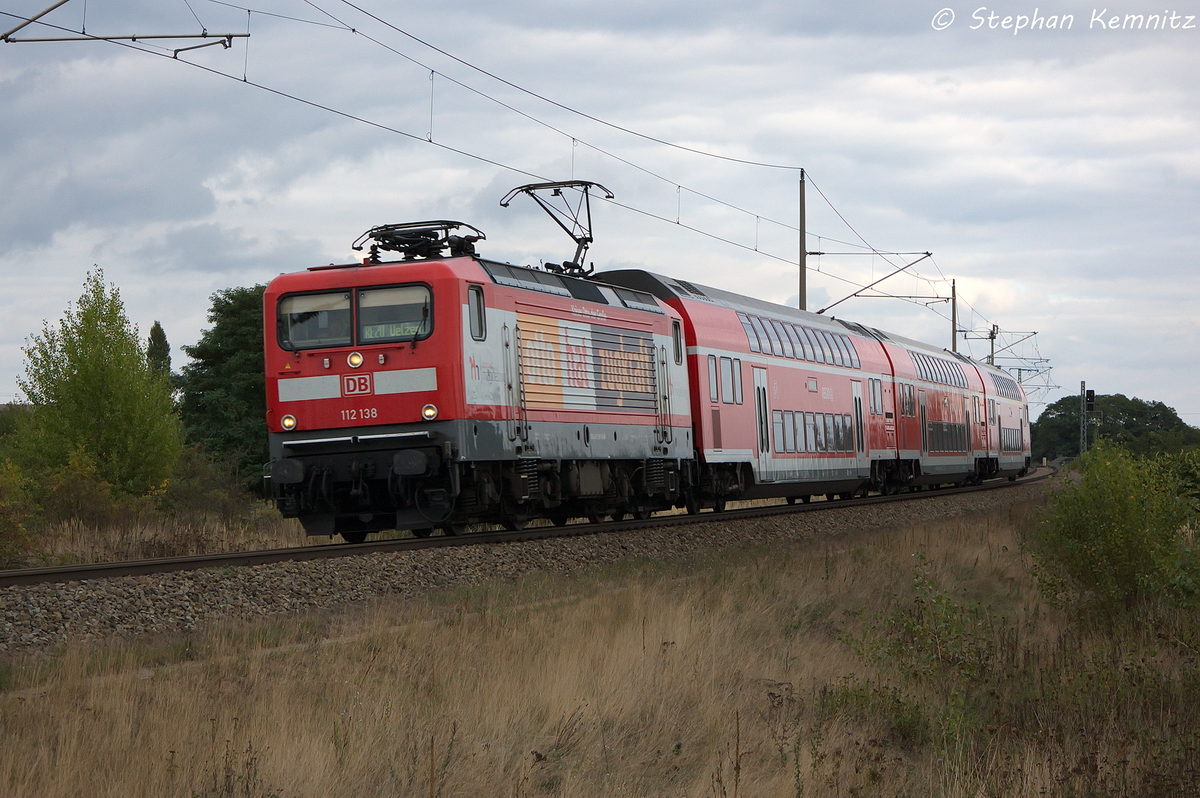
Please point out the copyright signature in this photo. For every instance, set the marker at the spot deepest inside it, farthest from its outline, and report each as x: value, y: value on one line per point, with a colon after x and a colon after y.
x: 943, y: 19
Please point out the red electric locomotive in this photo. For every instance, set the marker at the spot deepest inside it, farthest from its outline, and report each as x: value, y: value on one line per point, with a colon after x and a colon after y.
x: 442, y: 389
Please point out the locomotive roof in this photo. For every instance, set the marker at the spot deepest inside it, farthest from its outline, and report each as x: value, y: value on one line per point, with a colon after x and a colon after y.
x: 666, y: 288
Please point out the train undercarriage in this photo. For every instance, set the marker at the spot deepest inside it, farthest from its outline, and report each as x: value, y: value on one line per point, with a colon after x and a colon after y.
x: 424, y: 487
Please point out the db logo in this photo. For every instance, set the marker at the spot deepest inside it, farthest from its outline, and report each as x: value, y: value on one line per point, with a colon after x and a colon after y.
x: 356, y: 384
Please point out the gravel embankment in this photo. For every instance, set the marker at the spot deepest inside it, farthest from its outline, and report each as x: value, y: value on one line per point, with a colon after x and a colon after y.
x: 38, y: 616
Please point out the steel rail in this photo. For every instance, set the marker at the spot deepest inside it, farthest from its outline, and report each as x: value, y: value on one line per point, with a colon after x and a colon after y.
x: 161, y: 565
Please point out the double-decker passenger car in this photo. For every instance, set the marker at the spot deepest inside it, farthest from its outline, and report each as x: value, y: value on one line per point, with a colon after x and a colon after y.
x: 791, y: 403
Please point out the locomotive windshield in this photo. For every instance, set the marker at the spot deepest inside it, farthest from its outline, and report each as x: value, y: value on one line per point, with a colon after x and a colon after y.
x: 400, y: 313
x: 312, y: 320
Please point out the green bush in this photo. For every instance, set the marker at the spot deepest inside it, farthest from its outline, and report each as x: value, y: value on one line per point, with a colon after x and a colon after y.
x: 1185, y: 467
x: 1119, y: 533
x: 76, y: 492
x: 206, y: 485
x: 16, y: 506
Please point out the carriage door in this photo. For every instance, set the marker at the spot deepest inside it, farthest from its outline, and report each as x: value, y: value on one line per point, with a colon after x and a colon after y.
x: 860, y: 440
x: 762, y: 414
x: 924, y: 426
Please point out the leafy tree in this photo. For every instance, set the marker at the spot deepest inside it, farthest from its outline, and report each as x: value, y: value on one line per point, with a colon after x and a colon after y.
x: 1139, y: 426
x: 158, y: 351
x: 10, y: 416
x: 93, y: 395
x: 224, y: 404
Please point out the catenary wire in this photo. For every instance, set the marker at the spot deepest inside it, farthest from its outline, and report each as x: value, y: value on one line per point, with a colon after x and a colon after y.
x: 278, y: 16
x: 480, y: 158
x: 562, y: 106
x: 342, y: 24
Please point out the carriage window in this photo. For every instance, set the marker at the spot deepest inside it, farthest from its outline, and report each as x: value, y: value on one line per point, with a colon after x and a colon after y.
x: 737, y: 380
x: 751, y: 335
x: 756, y: 323
x: 810, y: 432
x: 308, y: 321
x: 817, y: 351
x: 833, y: 348
x: 797, y: 344
x: 677, y: 340
x: 476, y: 309
x: 776, y: 345
x: 727, y: 393
x: 783, y: 338
x: 777, y: 418
x: 712, y: 378
x: 789, y: 430
x: 854, y: 361
x: 399, y: 313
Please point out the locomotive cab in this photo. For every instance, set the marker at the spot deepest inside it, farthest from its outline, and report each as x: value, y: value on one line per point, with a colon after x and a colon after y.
x: 359, y: 390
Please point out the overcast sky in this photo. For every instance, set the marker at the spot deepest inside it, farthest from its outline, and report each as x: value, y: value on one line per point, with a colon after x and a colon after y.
x: 1047, y: 154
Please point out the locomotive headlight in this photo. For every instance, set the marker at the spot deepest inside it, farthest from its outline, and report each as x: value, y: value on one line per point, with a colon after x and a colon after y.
x: 429, y: 412
x: 288, y: 423
x: 354, y: 360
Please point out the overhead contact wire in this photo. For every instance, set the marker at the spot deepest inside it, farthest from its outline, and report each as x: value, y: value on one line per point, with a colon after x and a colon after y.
x: 457, y: 151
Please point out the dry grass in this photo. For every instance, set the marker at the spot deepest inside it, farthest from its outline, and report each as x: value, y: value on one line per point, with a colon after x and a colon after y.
x: 136, y: 537
x: 729, y: 675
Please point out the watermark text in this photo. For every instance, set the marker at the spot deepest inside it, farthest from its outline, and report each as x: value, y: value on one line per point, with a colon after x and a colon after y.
x: 985, y: 18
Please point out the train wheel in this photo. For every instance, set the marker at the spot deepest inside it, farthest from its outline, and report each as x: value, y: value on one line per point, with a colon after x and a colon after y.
x: 719, y: 504
x: 618, y: 515
x: 422, y: 533
x: 691, y: 503
x: 791, y: 499
x: 559, y: 518
x: 595, y: 517
x: 354, y: 537
x: 450, y: 530
x: 642, y: 514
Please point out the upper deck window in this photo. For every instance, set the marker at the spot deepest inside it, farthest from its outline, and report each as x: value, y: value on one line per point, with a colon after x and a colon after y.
x: 783, y: 339
x: 307, y: 321
x: 751, y: 335
x: 398, y: 313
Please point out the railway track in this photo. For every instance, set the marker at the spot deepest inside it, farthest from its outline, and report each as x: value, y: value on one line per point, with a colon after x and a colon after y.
x: 75, y: 573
